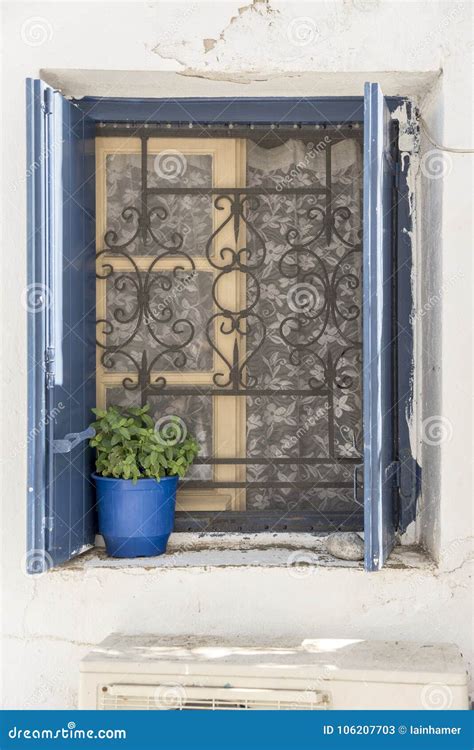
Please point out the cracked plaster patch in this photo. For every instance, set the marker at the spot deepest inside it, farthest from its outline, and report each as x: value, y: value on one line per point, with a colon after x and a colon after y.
x: 259, y: 42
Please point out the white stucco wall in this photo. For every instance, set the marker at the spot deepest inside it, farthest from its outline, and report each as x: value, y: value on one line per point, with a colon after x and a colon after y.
x: 276, y: 48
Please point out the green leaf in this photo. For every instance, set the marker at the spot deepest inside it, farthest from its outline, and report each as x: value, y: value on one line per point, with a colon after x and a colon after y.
x: 127, y: 446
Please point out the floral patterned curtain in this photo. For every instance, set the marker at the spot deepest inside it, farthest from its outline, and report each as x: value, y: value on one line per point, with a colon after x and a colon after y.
x: 304, y: 334
x: 310, y: 299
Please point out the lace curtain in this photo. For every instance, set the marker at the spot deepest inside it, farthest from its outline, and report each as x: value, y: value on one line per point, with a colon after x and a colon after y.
x: 307, y: 293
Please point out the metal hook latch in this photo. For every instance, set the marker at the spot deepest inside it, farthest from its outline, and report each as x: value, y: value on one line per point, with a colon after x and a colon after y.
x: 70, y: 441
x: 357, y: 483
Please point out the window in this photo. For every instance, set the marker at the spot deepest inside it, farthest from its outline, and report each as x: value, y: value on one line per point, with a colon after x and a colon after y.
x: 236, y: 305
x: 242, y: 283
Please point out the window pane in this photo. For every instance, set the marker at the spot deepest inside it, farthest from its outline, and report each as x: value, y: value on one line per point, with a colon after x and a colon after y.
x: 309, y: 306
x: 162, y: 313
x: 178, y: 222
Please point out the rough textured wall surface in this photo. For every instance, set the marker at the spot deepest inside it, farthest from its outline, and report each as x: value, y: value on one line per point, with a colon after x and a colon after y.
x: 263, y: 48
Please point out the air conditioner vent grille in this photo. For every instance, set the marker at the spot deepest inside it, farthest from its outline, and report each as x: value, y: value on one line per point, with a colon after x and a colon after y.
x: 183, y: 698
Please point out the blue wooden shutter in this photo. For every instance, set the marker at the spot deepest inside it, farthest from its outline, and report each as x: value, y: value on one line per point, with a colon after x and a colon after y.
x: 378, y: 333
x: 60, y: 300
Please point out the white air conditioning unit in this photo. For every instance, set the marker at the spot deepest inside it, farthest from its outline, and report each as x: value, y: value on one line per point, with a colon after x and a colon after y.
x: 162, y: 673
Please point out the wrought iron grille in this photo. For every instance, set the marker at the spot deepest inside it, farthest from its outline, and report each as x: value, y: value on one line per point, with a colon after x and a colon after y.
x: 287, y: 340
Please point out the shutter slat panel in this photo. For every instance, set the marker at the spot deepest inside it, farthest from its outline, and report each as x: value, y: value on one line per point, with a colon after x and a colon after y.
x: 61, y: 211
x: 378, y: 359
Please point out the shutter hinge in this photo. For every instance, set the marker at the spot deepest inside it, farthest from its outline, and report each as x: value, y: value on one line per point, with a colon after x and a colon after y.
x: 358, y: 485
x: 409, y: 135
x: 396, y: 174
x: 48, y: 102
x: 47, y: 523
x: 49, y: 366
x: 393, y: 472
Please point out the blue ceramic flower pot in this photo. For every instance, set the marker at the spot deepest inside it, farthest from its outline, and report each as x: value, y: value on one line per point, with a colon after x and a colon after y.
x: 136, y: 519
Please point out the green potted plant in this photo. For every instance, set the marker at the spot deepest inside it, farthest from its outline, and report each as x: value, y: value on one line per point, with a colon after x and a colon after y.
x: 138, y: 465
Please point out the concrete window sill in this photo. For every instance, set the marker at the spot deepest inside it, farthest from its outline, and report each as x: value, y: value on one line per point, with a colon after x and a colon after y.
x: 263, y: 550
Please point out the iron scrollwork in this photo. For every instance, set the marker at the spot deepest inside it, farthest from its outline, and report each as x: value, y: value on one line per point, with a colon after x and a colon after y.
x: 318, y: 325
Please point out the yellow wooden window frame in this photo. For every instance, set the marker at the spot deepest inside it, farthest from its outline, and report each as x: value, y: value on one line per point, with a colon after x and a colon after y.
x: 228, y: 426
